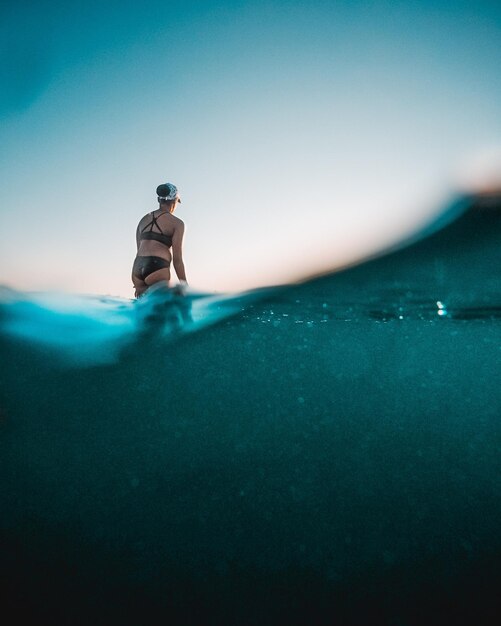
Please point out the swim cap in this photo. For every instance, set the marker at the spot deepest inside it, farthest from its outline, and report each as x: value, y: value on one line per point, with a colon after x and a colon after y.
x: 167, y: 191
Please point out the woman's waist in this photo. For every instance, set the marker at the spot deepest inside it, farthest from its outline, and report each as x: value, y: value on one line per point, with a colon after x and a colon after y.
x: 153, y: 248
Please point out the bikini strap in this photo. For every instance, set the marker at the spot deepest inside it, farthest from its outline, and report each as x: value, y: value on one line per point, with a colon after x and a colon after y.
x: 153, y: 222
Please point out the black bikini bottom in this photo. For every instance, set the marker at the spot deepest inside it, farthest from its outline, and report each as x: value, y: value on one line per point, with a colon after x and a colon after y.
x: 146, y: 265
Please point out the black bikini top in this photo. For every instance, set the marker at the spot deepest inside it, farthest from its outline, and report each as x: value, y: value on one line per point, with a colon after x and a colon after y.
x: 151, y: 234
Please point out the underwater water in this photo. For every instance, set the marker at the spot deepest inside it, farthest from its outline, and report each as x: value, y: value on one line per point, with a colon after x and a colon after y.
x: 323, y: 453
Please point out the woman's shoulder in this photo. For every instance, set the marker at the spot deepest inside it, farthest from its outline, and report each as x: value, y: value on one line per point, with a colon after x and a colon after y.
x: 178, y: 223
x: 145, y: 217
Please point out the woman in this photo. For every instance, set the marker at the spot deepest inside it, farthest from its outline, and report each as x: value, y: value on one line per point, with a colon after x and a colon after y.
x: 159, y: 239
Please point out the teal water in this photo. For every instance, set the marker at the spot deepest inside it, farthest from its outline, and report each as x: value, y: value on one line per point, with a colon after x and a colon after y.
x: 325, y: 453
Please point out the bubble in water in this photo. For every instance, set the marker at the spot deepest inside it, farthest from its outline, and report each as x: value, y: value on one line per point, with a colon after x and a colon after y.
x: 442, y: 309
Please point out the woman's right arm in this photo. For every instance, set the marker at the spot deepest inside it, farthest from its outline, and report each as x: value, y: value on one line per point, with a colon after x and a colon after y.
x: 177, y: 252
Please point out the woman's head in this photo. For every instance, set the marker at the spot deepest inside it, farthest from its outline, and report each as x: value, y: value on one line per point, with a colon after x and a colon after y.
x: 168, y: 195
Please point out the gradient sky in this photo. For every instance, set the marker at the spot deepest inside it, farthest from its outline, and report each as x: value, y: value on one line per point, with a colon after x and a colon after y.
x: 301, y: 135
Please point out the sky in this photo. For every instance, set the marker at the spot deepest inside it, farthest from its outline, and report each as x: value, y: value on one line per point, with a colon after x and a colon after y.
x: 302, y: 136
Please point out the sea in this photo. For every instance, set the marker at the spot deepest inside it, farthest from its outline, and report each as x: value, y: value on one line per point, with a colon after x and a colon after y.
x: 318, y: 453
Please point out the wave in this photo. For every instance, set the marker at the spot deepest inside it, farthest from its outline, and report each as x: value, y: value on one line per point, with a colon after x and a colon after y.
x: 87, y: 330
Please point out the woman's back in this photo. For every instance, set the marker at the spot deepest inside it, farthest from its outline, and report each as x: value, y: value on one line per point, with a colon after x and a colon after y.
x: 155, y: 233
